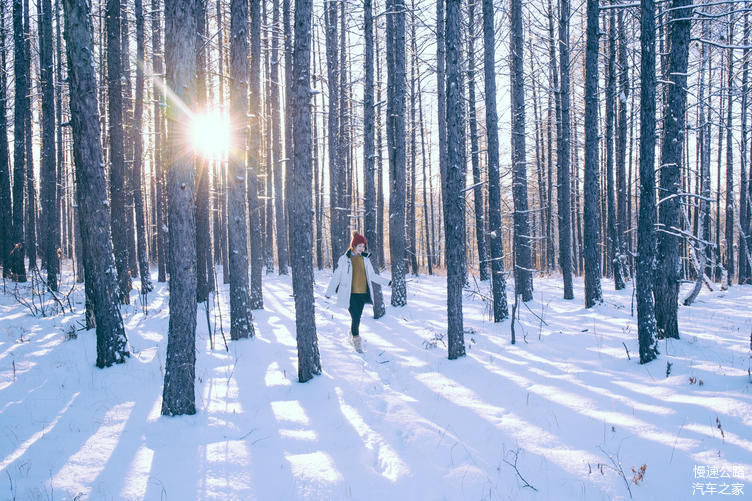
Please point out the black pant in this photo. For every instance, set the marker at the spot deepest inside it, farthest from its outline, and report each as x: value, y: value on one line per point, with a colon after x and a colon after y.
x: 356, y: 310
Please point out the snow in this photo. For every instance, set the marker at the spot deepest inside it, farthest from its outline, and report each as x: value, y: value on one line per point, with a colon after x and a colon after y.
x: 564, y: 405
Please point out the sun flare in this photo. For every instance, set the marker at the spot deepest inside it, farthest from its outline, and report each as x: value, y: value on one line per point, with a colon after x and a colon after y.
x: 210, y: 134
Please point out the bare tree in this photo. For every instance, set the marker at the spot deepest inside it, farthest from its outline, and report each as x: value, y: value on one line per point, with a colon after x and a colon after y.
x: 396, y: 73
x: 309, y: 363
x: 453, y: 184
x: 498, y: 280
x: 668, y: 270
x: 646, y: 323
x: 101, y: 282
x: 591, y: 233
x: 240, y: 311
x: 178, y: 395
x: 563, y: 192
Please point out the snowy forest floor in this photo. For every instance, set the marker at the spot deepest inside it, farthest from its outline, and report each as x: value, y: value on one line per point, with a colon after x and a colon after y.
x: 565, y: 404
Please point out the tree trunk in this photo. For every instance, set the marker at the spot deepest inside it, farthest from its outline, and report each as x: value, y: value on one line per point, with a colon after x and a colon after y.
x: 523, y: 276
x: 396, y: 144
x: 412, y: 244
x: 31, y: 193
x: 729, y: 256
x: 178, y: 396
x: 336, y: 240
x: 591, y: 234
x: 622, y: 216
x: 18, y: 267
x: 369, y: 155
x: 452, y: 184
x: 480, y: 224
x: 157, y: 62
x: 6, y: 222
x: 253, y: 159
x: 646, y: 323
x: 138, y: 149
x: 614, y: 234
x: 498, y: 279
x: 309, y: 363
x: 240, y: 311
x: 279, y: 163
x: 91, y: 187
x: 668, y: 262
x: 744, y: 271
x: 117, y: 154
x: 203, y: 265
x: 379, y: 159
x: 563, y: 193
x: 48, y: 174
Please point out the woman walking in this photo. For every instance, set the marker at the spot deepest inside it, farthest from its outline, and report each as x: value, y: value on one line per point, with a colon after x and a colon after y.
x: 352, y: 282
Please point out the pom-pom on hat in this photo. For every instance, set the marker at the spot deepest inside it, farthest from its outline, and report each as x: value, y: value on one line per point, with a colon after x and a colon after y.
x: 358, y: 239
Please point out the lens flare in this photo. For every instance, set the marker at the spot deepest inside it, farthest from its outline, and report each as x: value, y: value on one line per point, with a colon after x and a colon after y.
x: 210, y: 134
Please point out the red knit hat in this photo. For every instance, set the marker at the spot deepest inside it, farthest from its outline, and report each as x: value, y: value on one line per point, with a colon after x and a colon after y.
x: 358, y: 239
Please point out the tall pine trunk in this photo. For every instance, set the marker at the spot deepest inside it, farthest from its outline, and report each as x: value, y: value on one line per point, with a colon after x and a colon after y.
x: 523, y: 276
x: 203, y: 264
x: 309, y: 363
x: 396, y: 145
x: 369, y: 155
x: 6, y: 223
x: 138, y: 151
x: 49, y: 170
x: 452, y: 185
x: 591, y: 231
x: 253, y: 159
x: 614, y: 234
x: 117, y: 155
x: 18, y: 266
x: 646, y: 322
x: 668, y: 269
x: 178, y: 395
x: 480, y: 223
x: 101, y: 282
x: 237, y: 229
x: 563, y: 192
x: 729, y: 223
x: 622, y: 216
x: 498, y: 280
x: 278, y: 162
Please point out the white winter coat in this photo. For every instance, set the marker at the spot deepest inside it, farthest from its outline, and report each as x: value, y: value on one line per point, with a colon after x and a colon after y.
x: 341, y: 282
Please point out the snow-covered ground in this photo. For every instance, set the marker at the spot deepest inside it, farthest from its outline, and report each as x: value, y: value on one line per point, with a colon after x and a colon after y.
x: 400, y: 422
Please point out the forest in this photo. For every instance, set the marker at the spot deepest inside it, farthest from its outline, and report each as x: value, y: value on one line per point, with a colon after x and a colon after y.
x: 558, y: 195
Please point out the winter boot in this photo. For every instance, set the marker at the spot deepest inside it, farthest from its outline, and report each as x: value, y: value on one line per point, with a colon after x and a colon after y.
x: 357, y: 344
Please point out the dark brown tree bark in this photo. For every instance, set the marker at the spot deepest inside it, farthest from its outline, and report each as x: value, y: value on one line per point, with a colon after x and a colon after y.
x: 178, y: 395
x: 622, y: 216
x: 591, y: 233
x: 369, y: 155
x: 498, y: 280
x: 523, y: 276
x: 278, y: 161
x: 237, y: 229
x: 6, y: 222
x: 667, y: 274
x: 48, y: 159
x: 138, y: 152
x: 729, y: 194
x: 646, y: 323
x: 102, y: 288
x: 396, y: 73
x: 480, y: 222
x: 452, y: 185
x: 158, y: 68
x: 203, y: 242
x: 117, y: 155
x: 253, y: 159
x: 563, y: 192
x: 614, y: 247
x: 309, y: 363
x: 17, y: 253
